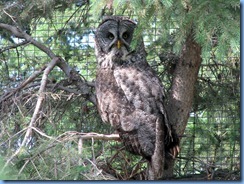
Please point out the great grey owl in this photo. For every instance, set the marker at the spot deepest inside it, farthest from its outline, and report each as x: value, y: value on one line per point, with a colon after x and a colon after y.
x: 129, y: 94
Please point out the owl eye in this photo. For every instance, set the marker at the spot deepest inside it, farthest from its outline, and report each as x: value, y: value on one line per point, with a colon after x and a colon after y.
x: 110, y: 36
x: 125, y: 35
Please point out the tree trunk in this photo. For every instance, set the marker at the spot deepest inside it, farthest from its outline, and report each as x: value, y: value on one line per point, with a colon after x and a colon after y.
x: 182, y: 90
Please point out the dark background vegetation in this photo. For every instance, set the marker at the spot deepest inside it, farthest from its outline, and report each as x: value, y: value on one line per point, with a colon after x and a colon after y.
x: 66, y: 139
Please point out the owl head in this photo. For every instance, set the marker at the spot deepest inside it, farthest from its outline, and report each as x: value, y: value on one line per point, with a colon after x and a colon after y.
x: 113, y: 38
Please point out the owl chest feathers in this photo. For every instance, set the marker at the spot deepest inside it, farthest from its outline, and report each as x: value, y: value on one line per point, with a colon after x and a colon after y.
x: 124, y: 90
x: 128, y: 87
x: 117, y: 57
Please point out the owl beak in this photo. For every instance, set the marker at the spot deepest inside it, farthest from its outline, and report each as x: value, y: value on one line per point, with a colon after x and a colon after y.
x: 118, y: 44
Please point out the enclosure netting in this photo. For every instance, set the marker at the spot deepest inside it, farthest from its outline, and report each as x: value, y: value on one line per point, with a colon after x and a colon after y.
x: 211, y: 142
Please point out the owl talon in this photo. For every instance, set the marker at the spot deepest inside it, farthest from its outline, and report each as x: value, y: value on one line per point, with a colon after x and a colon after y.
x: 178, y: 149
x: 173, y: 152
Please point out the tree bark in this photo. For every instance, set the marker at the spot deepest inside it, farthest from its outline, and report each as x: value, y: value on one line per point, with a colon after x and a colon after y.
x: 182, y: 91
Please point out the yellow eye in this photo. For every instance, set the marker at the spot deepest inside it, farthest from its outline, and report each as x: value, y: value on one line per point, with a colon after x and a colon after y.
x: 110, y: 36
x: 125, y: 35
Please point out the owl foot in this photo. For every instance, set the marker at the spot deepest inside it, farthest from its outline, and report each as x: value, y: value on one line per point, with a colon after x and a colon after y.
x: 174, y: 151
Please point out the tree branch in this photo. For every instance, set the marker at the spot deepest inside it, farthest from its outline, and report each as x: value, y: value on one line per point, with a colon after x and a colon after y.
x: 91, y: 135
x: 70, y: 73
x: 23, y: 84
x: 13, y: 46
x: 74, y: 77
x: 40, y: 99
x: 16, y: 31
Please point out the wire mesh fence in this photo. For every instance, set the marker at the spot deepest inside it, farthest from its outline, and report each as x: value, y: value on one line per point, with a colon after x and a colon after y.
x: 211, y: 142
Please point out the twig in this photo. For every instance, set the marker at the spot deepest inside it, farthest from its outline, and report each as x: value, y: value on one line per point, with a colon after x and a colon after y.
x: 21, y: 34
x: 83, y: 136
x: 99, y: 171
x: 113, y: 157
x: 16, y: 31
x: 22, y: 168
x: 41, y: 133
x: 13, y: 46
x: 61, y: 87
x: 40, y: 99
x: 36, y: 169
x: 83, y: 85
x: 17, y: 134
x: 70, y: 73
x: 23, y: 84
x: 195, y: 159
x: 12, y: 17
x: 80, y: 149
x: 91, y: 135
x: 93, y: 152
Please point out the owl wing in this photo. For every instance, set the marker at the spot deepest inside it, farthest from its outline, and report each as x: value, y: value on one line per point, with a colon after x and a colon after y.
x: 131, y: 100
x: 144, y: 90
x: 132, y: 124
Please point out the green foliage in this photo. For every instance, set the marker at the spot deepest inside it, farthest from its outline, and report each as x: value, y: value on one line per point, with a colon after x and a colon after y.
x: 8, y: 173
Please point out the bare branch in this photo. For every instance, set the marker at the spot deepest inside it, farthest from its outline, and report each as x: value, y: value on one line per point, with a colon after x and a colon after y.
x: 12, y: 17
x: 23, y: 84
x: 13, y: 46
x: 41, y: 97
x: 28, y: 133
x: 16, y: 31
x: 61, y: 87
x: 91, y: 135
x: 73, y: 76
x: 41, y: 133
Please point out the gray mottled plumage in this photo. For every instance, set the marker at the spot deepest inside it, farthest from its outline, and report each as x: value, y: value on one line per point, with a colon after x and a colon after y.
x: 129, y: 94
